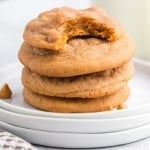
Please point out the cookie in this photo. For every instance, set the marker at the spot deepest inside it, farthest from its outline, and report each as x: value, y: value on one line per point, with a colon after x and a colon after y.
x: 85, y: 86
x: 52, y: 29
x: 64, y: 105
x: 79, y: 56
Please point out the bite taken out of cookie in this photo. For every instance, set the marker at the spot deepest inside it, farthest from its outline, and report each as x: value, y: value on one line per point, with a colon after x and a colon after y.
x: 52, y: 29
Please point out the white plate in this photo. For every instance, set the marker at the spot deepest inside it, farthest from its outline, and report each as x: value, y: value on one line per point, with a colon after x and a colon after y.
x: 139, y: 101
x: 70, y: 140
x: 74, y: 125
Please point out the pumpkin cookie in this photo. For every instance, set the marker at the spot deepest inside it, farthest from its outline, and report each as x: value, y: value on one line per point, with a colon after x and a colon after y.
x: 52, y: 29
x: 79, y: 56
x: 64, y: 105
x: 85, y: 86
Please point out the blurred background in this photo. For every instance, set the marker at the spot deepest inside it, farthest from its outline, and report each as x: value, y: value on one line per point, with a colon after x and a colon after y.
x: 14, y: 14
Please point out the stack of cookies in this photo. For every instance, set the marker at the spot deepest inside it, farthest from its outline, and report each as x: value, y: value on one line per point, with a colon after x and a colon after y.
x: 76, y: 61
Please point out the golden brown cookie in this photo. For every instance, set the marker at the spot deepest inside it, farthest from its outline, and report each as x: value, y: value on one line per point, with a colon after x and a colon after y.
x: 64, y: 105
x: 52, y: 29
x: 79, y: 56
x: 85, y: 86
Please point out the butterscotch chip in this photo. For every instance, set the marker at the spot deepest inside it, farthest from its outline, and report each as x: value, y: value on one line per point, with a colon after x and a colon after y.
x: 76, y: 105
x: 86, y: 86
x: 79, y: 56
x: 5, y: 92
x: 52, y: 29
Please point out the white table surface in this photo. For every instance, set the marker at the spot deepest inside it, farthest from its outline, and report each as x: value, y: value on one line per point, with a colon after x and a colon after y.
x: 14, y: 14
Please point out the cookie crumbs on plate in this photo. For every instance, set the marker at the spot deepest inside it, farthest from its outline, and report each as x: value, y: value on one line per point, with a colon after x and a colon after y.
x: 122, y: 106
x: 5, y: 92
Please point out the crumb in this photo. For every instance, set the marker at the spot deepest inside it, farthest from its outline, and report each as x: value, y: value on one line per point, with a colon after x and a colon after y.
x: 5, y: 92
x: 122, y: 106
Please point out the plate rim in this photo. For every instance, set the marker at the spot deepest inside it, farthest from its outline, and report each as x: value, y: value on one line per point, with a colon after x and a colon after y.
x: 15, y: 129
x: 69, y: 125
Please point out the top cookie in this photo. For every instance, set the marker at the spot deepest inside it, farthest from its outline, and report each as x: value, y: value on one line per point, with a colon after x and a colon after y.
x: 52, y: 29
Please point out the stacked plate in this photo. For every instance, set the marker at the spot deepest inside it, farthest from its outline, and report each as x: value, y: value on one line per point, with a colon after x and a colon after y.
x: 86, y: 130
